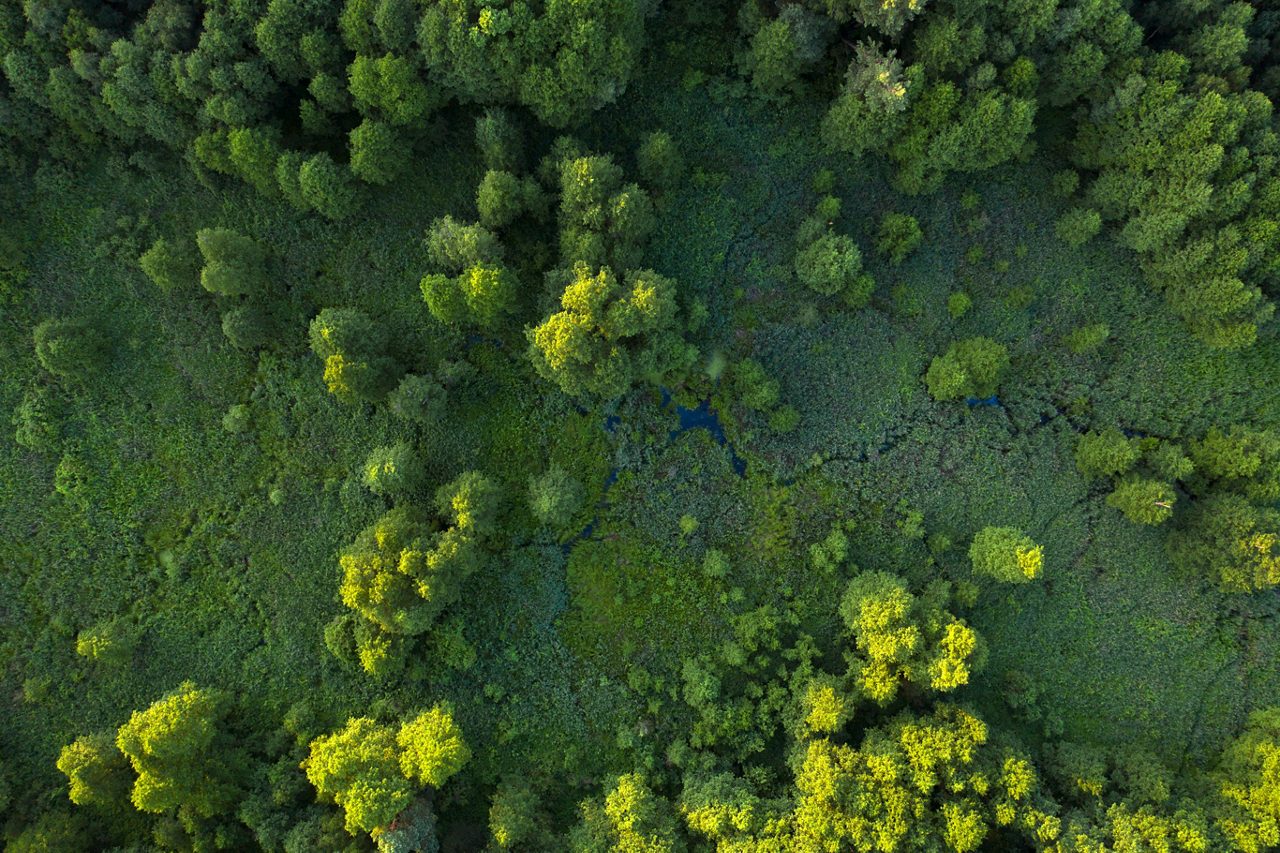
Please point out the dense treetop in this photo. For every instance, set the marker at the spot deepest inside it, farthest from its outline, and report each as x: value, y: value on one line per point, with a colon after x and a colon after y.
x: 624, y: 425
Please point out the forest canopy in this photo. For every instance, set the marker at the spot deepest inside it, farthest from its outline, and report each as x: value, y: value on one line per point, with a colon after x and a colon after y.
x: 640, y: 425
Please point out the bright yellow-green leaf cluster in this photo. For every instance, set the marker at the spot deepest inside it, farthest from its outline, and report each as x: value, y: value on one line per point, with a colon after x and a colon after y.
x: 373, y: 772
x: 899, y: 637
x: 432, y: 747
x: 1006, y: 554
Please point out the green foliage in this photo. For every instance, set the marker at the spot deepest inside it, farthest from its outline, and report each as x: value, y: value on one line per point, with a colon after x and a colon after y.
x: 904, y: 638
x: 603, y: 222
x: 630, y: 608
x: 431, y: 747
x: 234, y: 265
x: 111, y: 643
x: 969, y: 368
x: 1078, y: 226
x: 1143, y: 500
x: 1065, y: 183
x: 514, y: 818
x: 773, y: 60
x: 353, y: 349
x: 1106, y: 454
x: 555, y: 498
x: 377, y: 153
x: 610, y: 334
x: 1159, y: 153
x: 1087, y: 338
x: 660, y: 161
x: 170, y: 265
x: 1248, y: 783
x: 254, y: 153
x: 502, y: 198
x: 358, y: 768
x: 421, y: 399
x: 52, y: 831
x: 454, y: 246
x: 68, y: 348
x: 872, y: 108
x: 1231, y: 542
x: 831, y: 265
x: 237, y: 419
x: 889, y: 18
x: 248, y: 327
x: 96, y: 771
x: 632, y: 818
x: 473, y: 502
x: 958, y: 304
x: 500, y: 140
x: 400, y: 573
x: 752, y: 386
x: 389, y: 87
x: 326, y: 187
x: 483, y: 291
x: 34, y: 420
x: 560, y: 62
x: 1239, y: 459
x: 394, y: 472
x: 182, y: 757
x: 899, y: 235
x: 1006, y: 554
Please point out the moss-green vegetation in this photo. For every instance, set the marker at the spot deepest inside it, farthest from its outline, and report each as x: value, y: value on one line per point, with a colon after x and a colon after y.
x: 620, y: 425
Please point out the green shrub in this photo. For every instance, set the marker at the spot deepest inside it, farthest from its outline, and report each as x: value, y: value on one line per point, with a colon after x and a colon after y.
x: 111, y: 643
x: 421, y: 399
x: 1106, y: 454
x: 1142, y: 500
x: 170, y: 265
x: 1006, y: 554
x: 831, y: 265
x: 1083, y: 339
x: 969, y: 368
x: 234, y: 265
x: 555, y: 497
x: 69, y: 348
x: 1078, y: 226
x: 660, y: 162
x: 394, y: 472
x: 958, y: 304
x: 899, y: 235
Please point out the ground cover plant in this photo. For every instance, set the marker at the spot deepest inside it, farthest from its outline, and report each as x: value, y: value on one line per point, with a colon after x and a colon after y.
x: 639, y: 425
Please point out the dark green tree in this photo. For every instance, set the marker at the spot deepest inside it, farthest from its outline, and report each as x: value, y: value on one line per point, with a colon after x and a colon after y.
x: 418, y: 398
x: 234, y: 265
x: 500, y: 140
x: 170, y: 264
x: 377, y: 152
x: 661, y: 164
x: 69, y: 348
x: 326, y: 187
x: 969, y: 368
x: 394, y: 472
x: 899, y: 235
